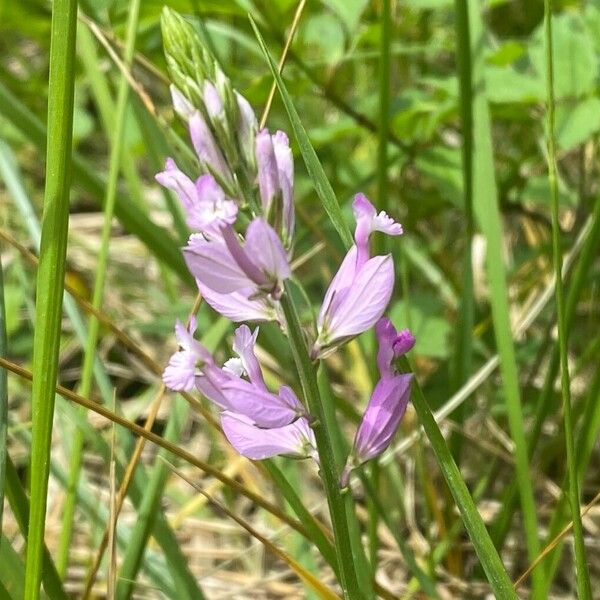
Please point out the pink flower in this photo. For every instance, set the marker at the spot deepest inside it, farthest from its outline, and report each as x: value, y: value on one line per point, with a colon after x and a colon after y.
x: 206, y: 206
x: 187, y: 361
x: 225, y: 265
x: 361, y: 289
x: 295, y: 440
x: 388, y: 401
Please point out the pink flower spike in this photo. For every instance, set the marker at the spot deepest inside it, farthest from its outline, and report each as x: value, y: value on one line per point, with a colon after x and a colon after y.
x: 183, y: 365
x: 295, y: 440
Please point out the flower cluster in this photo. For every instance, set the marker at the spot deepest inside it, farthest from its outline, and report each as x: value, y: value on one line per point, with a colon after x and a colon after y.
x: 241, y: 213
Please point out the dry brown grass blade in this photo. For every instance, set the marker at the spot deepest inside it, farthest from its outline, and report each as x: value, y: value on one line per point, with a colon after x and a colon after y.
x: 257, y: 499
x: 552, y: 544
x: 307, y: 577
x: 284, y: 54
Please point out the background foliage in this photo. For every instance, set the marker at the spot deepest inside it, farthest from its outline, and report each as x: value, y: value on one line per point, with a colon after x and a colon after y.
x: 333, y: 73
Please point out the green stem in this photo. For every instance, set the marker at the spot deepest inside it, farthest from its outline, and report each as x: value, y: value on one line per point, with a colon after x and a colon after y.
x: 582, y: 574
x: 474, y: 525
x: 329, y: 472
x: 384, y: 114
x: 3, y: 397
x: 94, y: 325
x: 51, y: 274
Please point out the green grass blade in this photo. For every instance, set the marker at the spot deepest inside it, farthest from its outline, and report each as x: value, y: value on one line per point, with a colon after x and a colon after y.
x: 19, y: 504
x: 581, y: 567
x: 313, y: 166
x: 116, y: 158
x: 156, y: 239
x: 3, y: 398
x: 486, y: 209
x: 12, y: 571
x: 488, y: 556
x: 51, y: 274
x: 462, y: 364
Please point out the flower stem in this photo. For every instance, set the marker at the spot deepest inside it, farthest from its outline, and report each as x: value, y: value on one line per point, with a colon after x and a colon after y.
x: 329, y: 470
x: 581, y: 566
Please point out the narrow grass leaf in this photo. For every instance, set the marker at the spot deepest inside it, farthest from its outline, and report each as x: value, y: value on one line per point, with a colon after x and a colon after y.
x: 488, y: 556
x: 584, y: 590
x: 485, y: 199
x: 19, y: 504
x: 3, y: 398
x: 51, y: 274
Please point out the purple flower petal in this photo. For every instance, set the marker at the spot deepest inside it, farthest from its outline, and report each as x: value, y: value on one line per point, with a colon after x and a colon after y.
x: 243, y: 345
x: 382, y: 416
x: 264, y: 408
x: 207, y: 149
x: 266, y: 250
x: 266, y: 163
x: 211, y: 263
x: 183, y: 107
x: 391, y: 345
x: 182, y: 367
x: 174, y: 179
x: 238, y: 306
x: 285, y: 170
x: 212, y: 101
x: 359, y: 306
x: 295, y: 439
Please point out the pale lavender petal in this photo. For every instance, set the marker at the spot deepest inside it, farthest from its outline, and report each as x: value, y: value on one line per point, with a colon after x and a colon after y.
x: 212, y: 101
x: 386, y: 336
x: 212, y: 264
x: 243, y: 345
x: 362, y: 304
x: 210, y: 381
x: 183, y: 107
x: 289, y: 398
x: 183, y: 364
x: 174, y: 179
x: 243, y: 259
x: 339, y: 285
x: 266, y: 163
x: 404, y: 342
x: 382, y: 416
x: 266, y: 250
x: 264, y: 408
x: 234, y: 366
x: 384, y: 223
x: 180, y: 372
x: 247, y: 127
x: 364, y: 213
x: 258, y: 444
x: 237, y: 306
x: 206, y: 147
x: 285, y: 168
x: 212, y: 209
